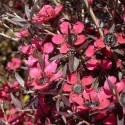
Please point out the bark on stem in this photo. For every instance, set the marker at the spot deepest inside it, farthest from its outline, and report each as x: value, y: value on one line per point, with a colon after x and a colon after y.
x: 93, y: 17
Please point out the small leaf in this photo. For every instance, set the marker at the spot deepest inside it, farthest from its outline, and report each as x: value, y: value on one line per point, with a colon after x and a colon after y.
x: 120, y: 116
x: 84, y: 45
x: 61, y: 89
x: 63, y: 113
x: 111, y: 30
x: 65, y: 100
x: 76, y: 63
x: 70, y: 61
x: 64, y: 70
x: 56, y: 57
x: 41, y: 61
x: 115, y: 57
x: 18, y: 19
x: 20, y: 80
x: 31, y: 102
x: 118, y: 52
x: 27, y: 11
x: 111, y: 86
x: 16, y: 102
x: 64, y: 120
x: 57, y: 104
x: 120, y: 75
x: 33, y: 9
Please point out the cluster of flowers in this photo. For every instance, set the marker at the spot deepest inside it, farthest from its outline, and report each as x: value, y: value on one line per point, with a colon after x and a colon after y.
x: 76, y: 78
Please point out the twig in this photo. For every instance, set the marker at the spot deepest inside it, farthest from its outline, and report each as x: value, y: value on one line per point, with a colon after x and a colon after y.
x: 4, y: 35
x: 93, y: 17
x: 49, y: 32
x: 115, y: 8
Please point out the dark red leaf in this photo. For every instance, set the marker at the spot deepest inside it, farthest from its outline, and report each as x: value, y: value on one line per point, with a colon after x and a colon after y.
x: 41, y: 61
x: 64, y: 70
x: 56, y: 57
x: 31, y: 102
x: 63, y: 113
x: 70, y: 62
x: 111, y: 86
x: 33, y: 9
x: 65, y: 100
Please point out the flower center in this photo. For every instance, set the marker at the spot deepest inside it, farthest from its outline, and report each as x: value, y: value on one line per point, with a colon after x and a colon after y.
x: 92, y: 103
x: 100, y: 54
x: 122, y: 99
x: 77, y: 88
x: 110, y: 39
x: 73, y: 38
x: 44, y: 80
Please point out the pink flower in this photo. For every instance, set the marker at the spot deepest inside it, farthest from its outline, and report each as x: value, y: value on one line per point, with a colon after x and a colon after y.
x: 44, y: 78
x: 95, y: 99
x: 74, y: 85
x: 75, y: 35
x: 47, y: 13
x: 23, y: 33
x: 14, y: 64
x: 119, y: 86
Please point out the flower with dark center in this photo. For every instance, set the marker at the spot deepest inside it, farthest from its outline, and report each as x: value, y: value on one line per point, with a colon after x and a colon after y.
x: 122, y: 99
x: 73, y: 38
x: 110, y: 39
x: 68, y: 40
x: 99, y: 54
x: 77, y: 88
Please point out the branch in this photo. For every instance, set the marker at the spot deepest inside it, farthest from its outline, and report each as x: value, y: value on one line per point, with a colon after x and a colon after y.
x: 93, y: 17
x: 9, y: 37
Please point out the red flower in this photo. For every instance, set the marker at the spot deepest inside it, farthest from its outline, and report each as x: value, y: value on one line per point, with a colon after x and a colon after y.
x: 62, y: 39
x: 47, y: 13
x: 14, y: 64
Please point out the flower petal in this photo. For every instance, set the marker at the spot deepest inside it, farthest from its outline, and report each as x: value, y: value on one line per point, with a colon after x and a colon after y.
x: 64, y: 27
x: 58, y: 9
x: 100, y: 43
x: 90, y: 51
x: 58, y: 39
x: 67, y: 88
x: 64, y: 48
x: 72, y: 79
x: 48, y: 47
x: 87, y: 80
x: 78, y: 27
x: 120, y: 86
x: 92, y: 64
x: 80, y: 39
